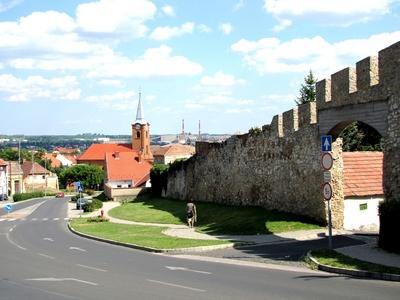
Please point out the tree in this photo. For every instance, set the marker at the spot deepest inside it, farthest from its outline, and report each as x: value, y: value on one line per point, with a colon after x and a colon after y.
x: 359, y: 136
x: 307, y: 90
x: 89, y: 175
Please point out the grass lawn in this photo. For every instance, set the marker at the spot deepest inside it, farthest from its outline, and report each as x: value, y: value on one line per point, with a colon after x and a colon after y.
x: 146, y: 236
x: 212, y: 218
x: 338, y: 260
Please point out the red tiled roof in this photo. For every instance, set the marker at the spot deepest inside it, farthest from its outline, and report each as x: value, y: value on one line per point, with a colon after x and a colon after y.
x: 2, y: 162
x: 125, y: 166
x: 98, y: 151
x: 63, y: 150
x: 72, y: 158
x: 174, y: 149
x: 55, y: 163
x: 30, y: 168
x: 363, y: 173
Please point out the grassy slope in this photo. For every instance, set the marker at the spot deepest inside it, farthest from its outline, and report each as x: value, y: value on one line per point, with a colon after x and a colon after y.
x: 212, y: 218
x: 139, y: 235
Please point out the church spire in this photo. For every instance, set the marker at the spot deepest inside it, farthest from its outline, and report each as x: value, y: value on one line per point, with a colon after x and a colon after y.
x: 139, y: 113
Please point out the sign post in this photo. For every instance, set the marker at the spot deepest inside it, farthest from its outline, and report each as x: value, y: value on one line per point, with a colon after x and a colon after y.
x: 327, y: 163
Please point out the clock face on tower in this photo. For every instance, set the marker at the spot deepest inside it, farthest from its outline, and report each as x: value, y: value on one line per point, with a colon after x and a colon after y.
x: 137, y: 126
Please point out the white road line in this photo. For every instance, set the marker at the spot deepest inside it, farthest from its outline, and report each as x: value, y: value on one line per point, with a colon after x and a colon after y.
x: 176, y: 285
x: 48, y: 239
x: 186, y: 269
x: 34, y: 219
x: 45, y: 255
x: 92, y: 268
x: 66, y: 219
x: 10, y: 220
x: 77, y: 248
x: 62, y: 279
x: 12, y: 242
x: 45, y: 219
x: 1, y: 220
x: 56, y: 219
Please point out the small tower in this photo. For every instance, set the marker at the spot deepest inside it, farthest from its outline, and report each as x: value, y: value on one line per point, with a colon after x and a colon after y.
x: 141, y: 134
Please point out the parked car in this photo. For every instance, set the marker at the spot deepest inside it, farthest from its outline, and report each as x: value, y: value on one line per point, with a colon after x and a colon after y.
x: 81, y: 202
x: 60, y: 195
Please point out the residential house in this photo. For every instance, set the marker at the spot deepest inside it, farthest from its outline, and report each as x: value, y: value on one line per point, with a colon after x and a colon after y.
x: 15, y: 178
x: 169, y: 153
x: 38, y: 178
x: 363, y: 189
x: 57, y: 160
x: 3, y: 180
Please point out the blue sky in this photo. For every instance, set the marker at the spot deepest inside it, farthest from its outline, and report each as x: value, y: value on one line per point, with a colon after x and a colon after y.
x: 70, y: 66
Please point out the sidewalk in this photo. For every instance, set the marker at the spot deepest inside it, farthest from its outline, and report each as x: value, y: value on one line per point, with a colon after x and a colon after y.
x: 367, y: 252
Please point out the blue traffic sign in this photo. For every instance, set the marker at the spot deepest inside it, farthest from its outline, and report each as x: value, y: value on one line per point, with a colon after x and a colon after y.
x: 80, y: 189
x: 326, y: 143
x: 8, y: 208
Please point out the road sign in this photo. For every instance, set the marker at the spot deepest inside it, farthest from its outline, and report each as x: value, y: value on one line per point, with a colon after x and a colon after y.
x: 80, y: 189
x: 326, y: 143
x: 327, y: 191
x: 327, y: 161
x: 327, y: 176
x: 8, y: 207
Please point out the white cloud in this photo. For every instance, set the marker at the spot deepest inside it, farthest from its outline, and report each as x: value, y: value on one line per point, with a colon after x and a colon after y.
x: 238, y: 110
x: 166, y: 32
x: 239, y: 5
x: 154, y: 62
x: 220, y: 79
x: 39, y: 88
x: 111, y: 16
x: 331, y: 12
x: 284, y: 23
x: 8, y: 4
x: 168, y: 10
x: 271, y: 55
x: 204, y: 28
x: 112, y: 82
x: 226, y: 28
x: 117, y: 101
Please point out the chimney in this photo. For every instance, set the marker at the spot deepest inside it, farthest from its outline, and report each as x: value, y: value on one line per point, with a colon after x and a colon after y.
x: 116, y: 155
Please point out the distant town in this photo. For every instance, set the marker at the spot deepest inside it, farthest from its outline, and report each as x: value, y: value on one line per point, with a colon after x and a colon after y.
x: 83, y: 141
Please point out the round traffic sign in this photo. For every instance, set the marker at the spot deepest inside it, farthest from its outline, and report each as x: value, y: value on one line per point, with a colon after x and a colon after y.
x: 327, y: 161
x: 327, y: 191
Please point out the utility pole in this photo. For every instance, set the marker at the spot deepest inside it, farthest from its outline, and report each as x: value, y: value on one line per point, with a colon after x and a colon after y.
x: 33, y: 173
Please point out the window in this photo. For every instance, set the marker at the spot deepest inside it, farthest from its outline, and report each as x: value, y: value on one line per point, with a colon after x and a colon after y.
x: 147, y: 134
x: 363, y: 206
x: 44, y: 177
x: 138, y: 135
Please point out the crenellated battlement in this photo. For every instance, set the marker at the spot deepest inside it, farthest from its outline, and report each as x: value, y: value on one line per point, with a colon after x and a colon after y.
x: 368, y: 82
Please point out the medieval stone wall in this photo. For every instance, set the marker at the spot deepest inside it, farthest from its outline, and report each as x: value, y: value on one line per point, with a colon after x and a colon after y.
x: 280, y: 168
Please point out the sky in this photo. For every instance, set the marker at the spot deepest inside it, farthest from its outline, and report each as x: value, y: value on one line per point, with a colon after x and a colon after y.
x: 70, y: 67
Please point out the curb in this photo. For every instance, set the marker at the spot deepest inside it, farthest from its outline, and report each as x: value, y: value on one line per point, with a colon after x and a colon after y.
x: 149, y: 249
x: 354, y: 273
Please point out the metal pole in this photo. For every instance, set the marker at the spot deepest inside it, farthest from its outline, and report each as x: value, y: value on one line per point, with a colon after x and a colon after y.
x: 330, y: 225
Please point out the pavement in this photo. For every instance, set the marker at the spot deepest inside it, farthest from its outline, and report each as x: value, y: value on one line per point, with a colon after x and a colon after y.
x: 368, y: 251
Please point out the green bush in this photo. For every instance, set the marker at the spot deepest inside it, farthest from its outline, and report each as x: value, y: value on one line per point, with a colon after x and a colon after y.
x: 92, y: 206
x: 97, y: 219
x: 25, y: 196
x: 102, y: 197
x: 90, y: 192
x: 389, y: 238
x: 74, y: 198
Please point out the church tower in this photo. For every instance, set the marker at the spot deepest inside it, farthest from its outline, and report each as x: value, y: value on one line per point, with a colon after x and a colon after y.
x: 141, y: 134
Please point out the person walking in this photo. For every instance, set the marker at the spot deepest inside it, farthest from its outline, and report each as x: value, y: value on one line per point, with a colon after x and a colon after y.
x: 191, y: 213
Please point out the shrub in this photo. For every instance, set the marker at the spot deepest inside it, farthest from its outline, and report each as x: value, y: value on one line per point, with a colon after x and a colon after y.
x: 102, y: 197
x: 97, y: 219
x: 389, y: 212
x: 92, y: 206
x: 74, y: 198
x: 90, y: 192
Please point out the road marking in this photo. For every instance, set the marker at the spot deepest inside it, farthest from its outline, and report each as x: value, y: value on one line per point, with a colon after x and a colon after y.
x: 56, y: 219
x: 14, y: 243
x: 77, y: 248
x: 45, y: 219
x: 177, y: 285
x: 34, y: 219
x: 62, y: 279
x: 10, y: 220
x: 186, y: 269
x: 1, y: 220
x: 66, y: 219
x: 48, y: 239
x: 45, y: 255
x: 92, y: 268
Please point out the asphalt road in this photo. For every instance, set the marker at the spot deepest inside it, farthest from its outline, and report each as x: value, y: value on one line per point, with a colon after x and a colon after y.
x: 40, y: 259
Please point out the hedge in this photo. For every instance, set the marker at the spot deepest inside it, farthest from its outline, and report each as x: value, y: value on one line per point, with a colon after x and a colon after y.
x: 92, y: 206
x: 389, y: 215
x: 25, y: 196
